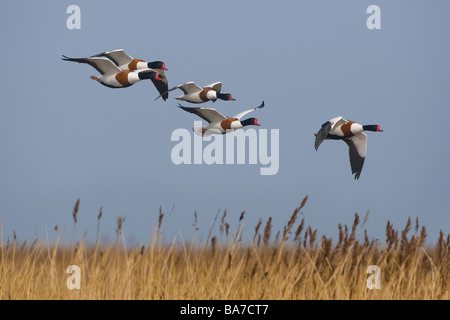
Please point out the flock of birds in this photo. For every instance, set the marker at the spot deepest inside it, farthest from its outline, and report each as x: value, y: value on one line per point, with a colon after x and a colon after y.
x: 119, y: 70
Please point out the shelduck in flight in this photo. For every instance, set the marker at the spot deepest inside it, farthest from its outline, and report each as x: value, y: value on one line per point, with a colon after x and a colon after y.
x: 114, y: 77
x: 218, y: 123
x: 196, y: 94
x: 125, y: 62
x: 352, y: 134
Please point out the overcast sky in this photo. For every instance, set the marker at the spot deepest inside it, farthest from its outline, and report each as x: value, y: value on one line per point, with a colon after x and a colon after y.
x: 64, y: 136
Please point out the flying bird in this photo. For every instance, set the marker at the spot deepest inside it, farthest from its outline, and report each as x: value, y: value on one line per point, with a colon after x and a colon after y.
x: 218, y: 123
x: 114, y: 77
x: 352, y: 134
x: 125, y: 62
x: 196, y: 94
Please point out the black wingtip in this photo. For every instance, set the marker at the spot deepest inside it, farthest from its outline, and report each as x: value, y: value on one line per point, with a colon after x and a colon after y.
x: 260, y: 106
x: 163, y: 95
x: 317, y: 142
x: 357, y: 174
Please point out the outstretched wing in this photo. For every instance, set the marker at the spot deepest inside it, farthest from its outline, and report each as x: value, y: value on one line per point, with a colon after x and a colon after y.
x: 357, y: 150
x: 102, y: 65
x: 243, y: 113
x: 208, y: 114
x: 322, y: 134
x: 160, y: 85
x: 325, y: 130
x: 119, y: 56
x: 217, y: 86
x: 163, y: 86
x: 188, y: 87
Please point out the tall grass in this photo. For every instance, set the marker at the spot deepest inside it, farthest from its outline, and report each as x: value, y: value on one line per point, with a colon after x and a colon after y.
x: 293, y: 263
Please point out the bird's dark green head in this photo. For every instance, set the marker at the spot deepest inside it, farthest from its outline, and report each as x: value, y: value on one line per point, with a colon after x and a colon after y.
x: 149, y: 74
x: 250, y: 122
x: 157, y: 65
x: 225, y: 96
x: 372, y: 127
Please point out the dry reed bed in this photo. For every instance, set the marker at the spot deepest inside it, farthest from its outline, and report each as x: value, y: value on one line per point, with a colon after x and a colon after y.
x: 292, y: 264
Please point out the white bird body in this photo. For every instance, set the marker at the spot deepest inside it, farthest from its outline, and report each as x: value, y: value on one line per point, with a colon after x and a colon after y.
x: 218, y: 123
x: 218, y: 127
x: 193, y: 93
x: 112, y: 79
x: 337, y: 127
x: 195, y: 97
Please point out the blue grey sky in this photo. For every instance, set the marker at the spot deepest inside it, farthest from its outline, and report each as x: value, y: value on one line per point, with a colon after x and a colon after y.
x: 64, y: 136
